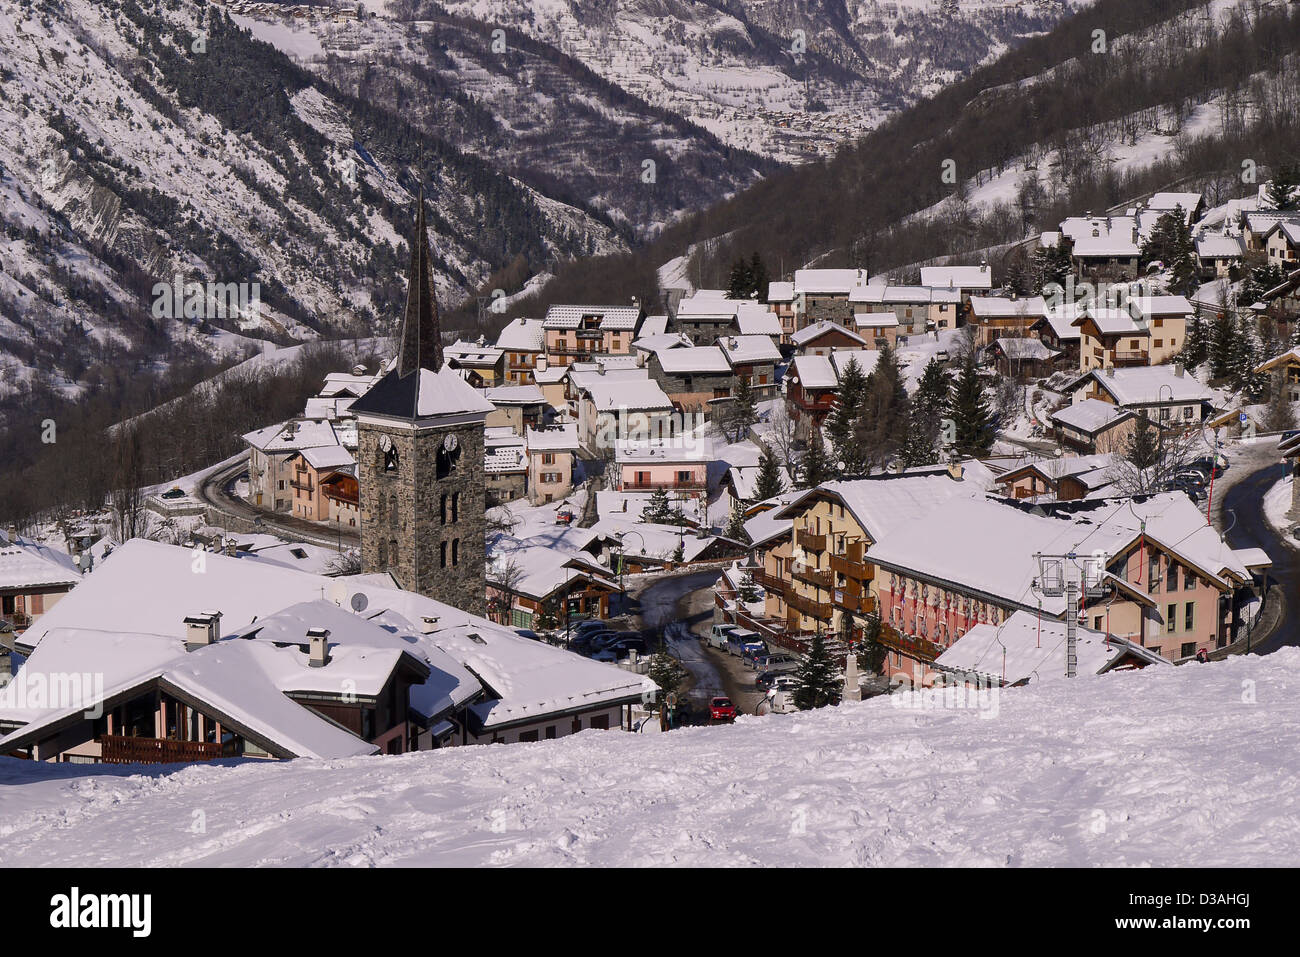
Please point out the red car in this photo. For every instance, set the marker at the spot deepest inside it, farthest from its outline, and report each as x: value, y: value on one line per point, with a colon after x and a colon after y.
x: 721, y: 709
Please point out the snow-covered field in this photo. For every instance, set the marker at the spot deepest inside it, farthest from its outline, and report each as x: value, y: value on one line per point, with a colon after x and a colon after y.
x: 1171, y: 766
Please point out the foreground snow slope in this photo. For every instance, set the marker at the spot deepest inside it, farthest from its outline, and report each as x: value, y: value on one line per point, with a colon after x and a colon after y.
x: 1190, y: 765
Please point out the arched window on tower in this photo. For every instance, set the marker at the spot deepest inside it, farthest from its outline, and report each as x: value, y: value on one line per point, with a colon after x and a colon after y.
x: 455, y: 551
x: 383, y: 553
x: 455, y: 507
x: 443, y: 505
x: 393, y: 517
x: 392, y: 550
x: 390, y: 459
x: 442, y: 550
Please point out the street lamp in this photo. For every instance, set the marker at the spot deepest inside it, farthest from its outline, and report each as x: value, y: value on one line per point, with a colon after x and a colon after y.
x: 622, y: 553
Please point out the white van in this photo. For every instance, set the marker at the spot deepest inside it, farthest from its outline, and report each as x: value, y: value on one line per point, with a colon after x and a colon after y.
x: 718, y: 636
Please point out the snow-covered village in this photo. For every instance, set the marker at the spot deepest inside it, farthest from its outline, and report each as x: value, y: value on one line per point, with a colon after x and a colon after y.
x: 951, y: 521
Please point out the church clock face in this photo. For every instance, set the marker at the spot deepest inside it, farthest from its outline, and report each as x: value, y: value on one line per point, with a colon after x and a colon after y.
x: 390, y: 453
x: 450, y: 443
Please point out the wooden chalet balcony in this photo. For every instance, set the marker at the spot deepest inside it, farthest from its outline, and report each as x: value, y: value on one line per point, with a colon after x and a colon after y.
x: 567, y: 350
x: 120, y: 749
x: 302, y: 486
x: 19, y: 620
x: 817, y: 609
x: 771, y: 583
x: 648, y: 485
x: 821, y: 577
x: 1122, y: 359
x: 853, y: 568
x: 853, y: 599
x: 810, y: 540
x: 919, y: 648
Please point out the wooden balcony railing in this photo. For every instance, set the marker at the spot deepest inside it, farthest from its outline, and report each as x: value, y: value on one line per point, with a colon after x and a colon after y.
x: 851, y: 568
x: 19, y: 620
x: 648, y: 485
x: 771, y: 582
x: 919, y: 648
x: 854, y: 600
x: 816, y: 609
x: 119, y: 749
x: 1130, y: 358
x: 821, y: 577
x: 810, y: 540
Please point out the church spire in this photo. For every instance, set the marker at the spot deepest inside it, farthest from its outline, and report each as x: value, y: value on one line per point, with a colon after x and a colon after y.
x: 421, y: 335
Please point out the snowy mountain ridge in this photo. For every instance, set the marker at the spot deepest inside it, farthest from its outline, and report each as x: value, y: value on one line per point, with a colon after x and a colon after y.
x: 1161, y: 767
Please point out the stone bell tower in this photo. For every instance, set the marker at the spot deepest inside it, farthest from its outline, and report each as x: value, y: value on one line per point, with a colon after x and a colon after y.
x: 420, y: 458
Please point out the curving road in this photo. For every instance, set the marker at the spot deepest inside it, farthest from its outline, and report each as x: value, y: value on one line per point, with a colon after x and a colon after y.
x: 1248, y: 527
x: 216, y: 491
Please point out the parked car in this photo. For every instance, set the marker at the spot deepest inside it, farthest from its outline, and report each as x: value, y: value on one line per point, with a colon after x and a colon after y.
x: 718, y: 636
x: 591, y: 626
x: 776, y: 661
x: 767, y: 680
x: 751, y: 652
x: 721, y: 709
x: 942, y: 355
x: 631, y: 643
x: 785, y: 684
x: 738, y: 639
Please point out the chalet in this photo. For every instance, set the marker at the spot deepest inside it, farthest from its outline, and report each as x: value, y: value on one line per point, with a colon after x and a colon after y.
x: 551, y: 452
x: 1057, y: 330
x: 781, y: 300
x: 611, y: 403
x: 756, y: 319
x: 877, y: 329
x: 1217, y: 254
x: 967, y: 281
x: 916, y: 309
x: 695, y: 378
x: 1191, y: 204
x: 481, y: 365
x: 547, y: 578
x: 1023, y: 357
x: 679, y: 464
x: 523, y: 342
x: 1062, y: 479
x: 822, y: 295
x: 754, y: 358
x: 1256, y: 225
x: 640, y: 546
x: 577, y: 333
x: 995, y: 317
x: 33, y: 578
x: 1282, y: 244
x: 269, y: 472
x: 1104, y: 246
x: 741, y: 484
x: 705, y: 316
x: 1149, y: 331
x: 517, y: 407
x: 1286, y: 366
x: 1164, y: 394
x: 486, y: 683
x: 309, y: 468
x: 822, y: 338
x: 1093, y: 426
x: 342, y: 494
x: 505, y: 466
x: 813, y: 385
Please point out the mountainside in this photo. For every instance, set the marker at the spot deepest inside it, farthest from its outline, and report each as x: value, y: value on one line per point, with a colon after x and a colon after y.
x: 1179, y: 94
x: 1114, y: 770
x: 145, y: 140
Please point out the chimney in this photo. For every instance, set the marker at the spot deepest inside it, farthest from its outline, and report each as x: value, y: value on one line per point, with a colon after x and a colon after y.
x: 733, y: 342
x: 428, y: 624
x: 956, y: 470
x: 541, y: 363
x: 1110, y: 372
x: 11, y: 533
x: 202, y: 630
x: 320, y: 649
x: 636, y: 303
x: 1178, y: 369
x: 230, y: 546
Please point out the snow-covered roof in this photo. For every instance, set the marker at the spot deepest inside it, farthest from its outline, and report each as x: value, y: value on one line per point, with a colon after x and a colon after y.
x: 655, y: 325
x: 293, y: 435
x: 1089, y: 415
x: 1219, y: 246
x: 693, y: 359
x: 755, y: 319
x: 816, y: 330
x: 884, y: 503
x: 996, y: 307
x: 423, y: 394
x: 1061, y: 319
x: 661, y: 341
x: 828, y: 281
x: 1150, y: 385
x: 676, y: 450
x: 875, y: 320
x: 814, y: 372
x: 866, y: 360
x: 25, y: 563
x: 554, y: 438
x: 957, y: 277
x: 610, y: 394
x: 1028, y: 348
x: 1167, y: 201
x: 522, y: 335
x: 514, y: 395
x: 708, y: 304
x: 329, y: 457
x: 1025, y: 647
x: 1163, y: 306
x: 780, y: 292
x: 748, y: 349
x: 613, y: 318
x: 337, y: 383
x: 148, y: 588
x: 1105, y: 247
x: 744, y: 480
x: 502, y: 458
x: 475, y: 355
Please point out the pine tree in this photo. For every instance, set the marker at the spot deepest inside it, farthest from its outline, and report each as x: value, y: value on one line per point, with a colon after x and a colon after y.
x: 741, y: 280
x: 743, y: 411
x: 848, y: 407
x: 769, y: 482
x: 658, y: 511
x: 1247, y: 355
x: 928, y: 408
x: 816, y: 466
x: 1142, y: 449
x: 817, y: 680
x: 1052, y: 266
x: 758, y: 278
x: 970, y: 412
x: 1196, y: 345
x: 881, y: 428
x: 666, y: 672
x: 1170, y: 242
x: 1283, y: 190
x: 870, y: 649
x: 735, y: 529
x: 1223, y: 346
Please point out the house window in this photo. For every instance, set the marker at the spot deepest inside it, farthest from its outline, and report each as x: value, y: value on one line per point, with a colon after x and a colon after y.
x: 1189, y: 616
x: 1171, y: 618
x: 548, y: 458
x: 1173, y: 577
x: 1188, y: 649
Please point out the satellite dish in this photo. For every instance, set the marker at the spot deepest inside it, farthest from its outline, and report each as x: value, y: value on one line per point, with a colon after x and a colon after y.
x: 337, y: 592
x: 359, y: 602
